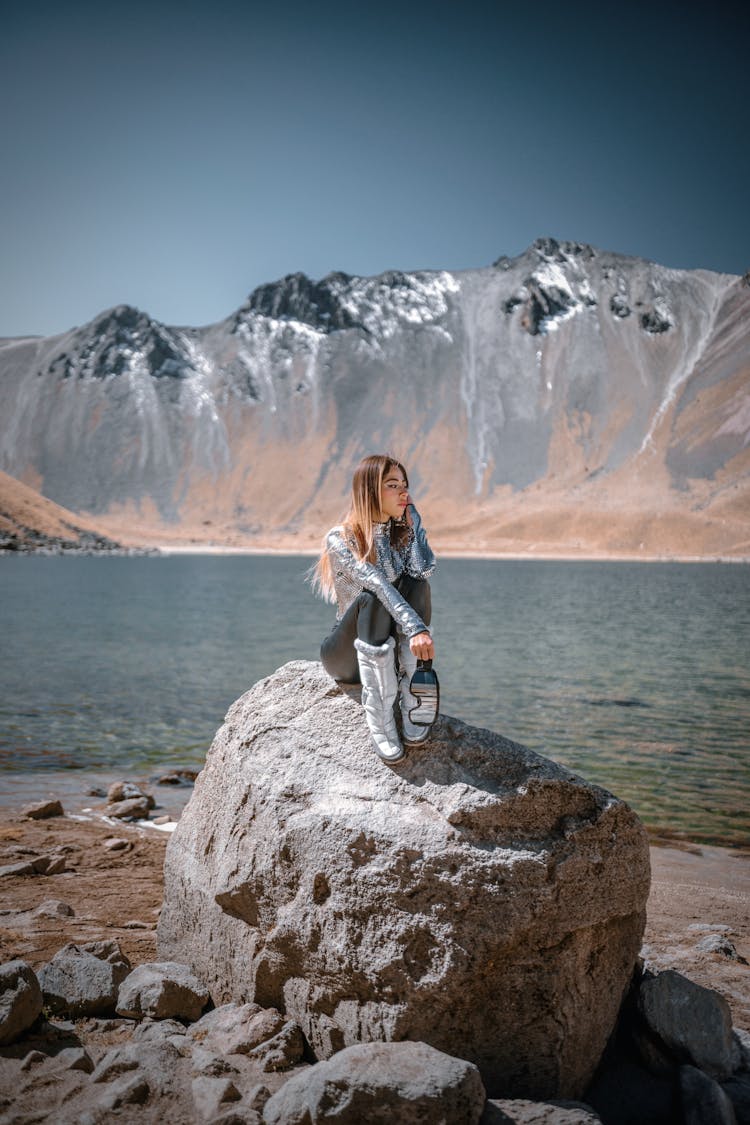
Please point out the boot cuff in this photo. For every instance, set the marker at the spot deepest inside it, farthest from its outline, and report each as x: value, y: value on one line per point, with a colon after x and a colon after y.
x: 374, y: 650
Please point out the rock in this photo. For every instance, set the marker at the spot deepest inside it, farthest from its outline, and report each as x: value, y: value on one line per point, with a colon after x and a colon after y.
x: 32, y: 1059
x: 132, y: 1090
x: 163, y: 990
x: 22, y: 867
x: 136, y: 808
x: 742, y: 1040
x: 95, y: 791
x: 41, y: 810
x: 205, y: 1062
x: 237, y: 1029
x: 719, y: 943
x: 518, y: 1111
x: 135, y: 924
x: 156, y: 1059
x: 703, y: 1100
x: 83, y: 980
x: 210, y: 1095
x: 160, y: 820
x: 75, y: 1058
x: 475, y: 889
x: 691, y: 1022
x: 117, y: 844
x: 54, y: 908
x: 121, y: 791
x: 400, y: 1082
x: 178, y: 777
x: 56, y: 865
x: 283, y: 1050
x: 737, y: 1089
x: 20, y: 1000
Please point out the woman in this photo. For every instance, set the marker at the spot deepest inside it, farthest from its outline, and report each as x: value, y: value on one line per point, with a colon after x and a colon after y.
x: 375, y: 567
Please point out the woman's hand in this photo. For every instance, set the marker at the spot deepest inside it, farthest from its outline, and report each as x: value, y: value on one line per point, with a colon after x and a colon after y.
x: 422, y: 647
x: 407, y: 511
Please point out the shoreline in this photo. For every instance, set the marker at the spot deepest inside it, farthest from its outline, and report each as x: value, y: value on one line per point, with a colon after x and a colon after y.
x: 167, y: 550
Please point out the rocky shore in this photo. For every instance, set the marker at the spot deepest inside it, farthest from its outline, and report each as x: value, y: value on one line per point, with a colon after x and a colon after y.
x: 100, y: 1023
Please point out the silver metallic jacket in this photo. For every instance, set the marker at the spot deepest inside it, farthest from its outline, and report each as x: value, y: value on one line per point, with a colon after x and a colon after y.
x: 352, y: 575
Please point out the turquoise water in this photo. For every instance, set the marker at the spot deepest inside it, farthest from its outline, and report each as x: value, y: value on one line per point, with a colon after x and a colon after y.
x: 635, y: 675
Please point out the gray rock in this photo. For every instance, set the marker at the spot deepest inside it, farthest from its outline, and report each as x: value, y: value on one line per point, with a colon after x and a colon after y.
x: 403, y: 1082
x: 83, y: 980
x: 155, y: 1030
x: 20, y: 1000
x: 281, y: 1051
x: 719, y: 943
x: 742, y: 1040
x: 20, y: 867
x: 237, y: 1028
x: 518, y: 1111
x: 75, y: 1058
x: 210, y: 1095
x: 42, y: 810
x: 128, y: 791
x: 205, y: 1062
x: 130, y: 1090
x: 703, y: 1100
x: 692, y: 1022
x: 55, y: 908
x: 29, y: 1061
x: 474, y: 889
x: 56, y: 865
x: 737, y: 1089
x: 136, y: 808
x: 156, y: 1060
x: 117, y: 844
x: 163, y: 990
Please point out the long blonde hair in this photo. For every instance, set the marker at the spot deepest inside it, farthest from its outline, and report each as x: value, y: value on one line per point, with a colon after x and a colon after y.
x: 359, y: 522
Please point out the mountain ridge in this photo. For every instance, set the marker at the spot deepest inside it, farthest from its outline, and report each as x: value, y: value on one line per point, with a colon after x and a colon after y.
x: 566, y: 379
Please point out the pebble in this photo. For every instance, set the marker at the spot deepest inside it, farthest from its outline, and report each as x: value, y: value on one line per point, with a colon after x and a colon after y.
x: 127, y: 791
x: 41, y: 810
x: 162, y: 820
x: 55, y: 908
x: 117, y: 844
x: 135, y: 924
x: 178, y: 777
x: 134, y: 808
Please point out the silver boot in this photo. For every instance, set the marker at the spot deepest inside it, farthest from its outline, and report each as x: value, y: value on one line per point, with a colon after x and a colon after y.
x: 413, y: 706
x: 377, y: 671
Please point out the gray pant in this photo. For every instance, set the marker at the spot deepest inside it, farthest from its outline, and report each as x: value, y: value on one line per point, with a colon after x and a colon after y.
x: 368, y: 619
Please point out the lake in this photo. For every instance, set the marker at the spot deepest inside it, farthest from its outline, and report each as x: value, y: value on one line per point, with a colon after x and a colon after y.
x: 635, y: 675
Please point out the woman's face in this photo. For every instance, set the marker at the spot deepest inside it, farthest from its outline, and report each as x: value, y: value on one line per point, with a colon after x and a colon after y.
x: 394, y: 494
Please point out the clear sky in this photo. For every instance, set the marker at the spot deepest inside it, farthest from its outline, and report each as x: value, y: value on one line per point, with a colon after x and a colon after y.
x: 175, y: 155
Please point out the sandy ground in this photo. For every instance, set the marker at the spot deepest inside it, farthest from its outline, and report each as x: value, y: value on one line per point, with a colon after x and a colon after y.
x: 119, y: 894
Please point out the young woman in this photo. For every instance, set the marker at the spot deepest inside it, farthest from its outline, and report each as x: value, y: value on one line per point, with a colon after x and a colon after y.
x: 375, y: 566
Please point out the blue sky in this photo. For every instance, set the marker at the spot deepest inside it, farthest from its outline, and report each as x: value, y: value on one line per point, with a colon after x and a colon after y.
x: 174, y: 156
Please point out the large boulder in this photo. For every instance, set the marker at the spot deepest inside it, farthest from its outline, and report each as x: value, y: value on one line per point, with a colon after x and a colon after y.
x: 476, y: 896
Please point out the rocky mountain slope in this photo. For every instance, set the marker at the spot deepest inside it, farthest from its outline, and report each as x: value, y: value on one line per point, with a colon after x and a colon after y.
x: 569, y: 400
x: 29, y: 522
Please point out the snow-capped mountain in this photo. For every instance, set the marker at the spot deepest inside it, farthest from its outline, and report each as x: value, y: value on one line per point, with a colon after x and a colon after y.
x: 563, y: 390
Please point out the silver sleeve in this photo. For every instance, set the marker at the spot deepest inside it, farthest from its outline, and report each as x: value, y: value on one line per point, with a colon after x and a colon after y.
x: 373, y: 578
x: 418, y: 557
